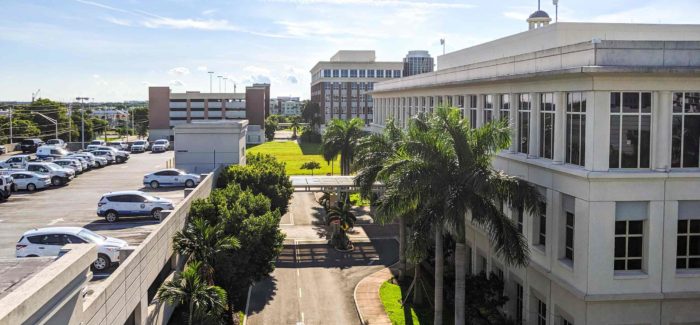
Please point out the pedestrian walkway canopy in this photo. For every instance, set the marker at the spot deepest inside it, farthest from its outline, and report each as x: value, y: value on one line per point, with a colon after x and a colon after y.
x: 327, y: 184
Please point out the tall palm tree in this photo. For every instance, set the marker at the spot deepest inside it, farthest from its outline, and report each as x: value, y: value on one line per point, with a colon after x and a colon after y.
x: 444, y: 169
x: 295, y: 126
x: 340, y: 138
x: 200, y: 241
x: 340, y: 218
x: 188, y: 289
x: 373, y: 152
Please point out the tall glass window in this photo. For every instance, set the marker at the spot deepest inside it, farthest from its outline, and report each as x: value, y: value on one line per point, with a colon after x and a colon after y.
x: 370, y: 73
x: 353, y: 73
x: 541, y: 312
x: 344, y: 73
x: 505, y: 107
x: 488, y: 108
x: 471, y: 102
x: 336, y: 73
x: 387, y: 73
x: 629, y: 237
x: 576, y: 128
x: 326, y: 73
x: 547, y: 111
x: 362, y: 73
x: 524, y: 109
x: 569, y: 236
x: 380, y: 73
x: 460, y: 101
x: 630, y: 129
x: 542, y: 225
x: 518, y: 304
x: 688, y: 244
x: 685, y: 150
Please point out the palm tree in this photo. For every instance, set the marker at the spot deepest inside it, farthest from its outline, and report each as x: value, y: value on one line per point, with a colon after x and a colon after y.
x: 200, y: 242
x: 340, y: 138
x: 340, y: 218
x: 295, y: 126
x: 373, y: 152
x: 325, y: 201
x: 188, y: 289
x: 442, y: 172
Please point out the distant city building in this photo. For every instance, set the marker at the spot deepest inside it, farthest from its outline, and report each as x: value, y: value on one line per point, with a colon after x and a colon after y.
x: 341, y: 87
x: 111, y: 115
x: 417, y: 62
x: 289, y: 106
x: 167, y: 109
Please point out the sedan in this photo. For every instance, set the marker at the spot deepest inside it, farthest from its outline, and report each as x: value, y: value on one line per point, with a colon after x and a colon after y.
x: 30, y: 181
x: 170, y: 177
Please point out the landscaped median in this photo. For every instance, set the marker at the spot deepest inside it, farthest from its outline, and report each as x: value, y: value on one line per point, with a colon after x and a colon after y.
x: 294, y: 155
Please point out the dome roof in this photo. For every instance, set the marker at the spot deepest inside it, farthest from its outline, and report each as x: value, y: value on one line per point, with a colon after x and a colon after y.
x: 539, y: 14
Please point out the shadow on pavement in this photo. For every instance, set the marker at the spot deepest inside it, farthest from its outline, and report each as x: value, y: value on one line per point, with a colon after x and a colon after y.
x: 265, y: 291
x: 376, y: 252
x: 123, y: 223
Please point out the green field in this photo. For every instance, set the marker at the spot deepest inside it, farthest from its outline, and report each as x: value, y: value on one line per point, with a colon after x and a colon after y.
x: 294, y: 155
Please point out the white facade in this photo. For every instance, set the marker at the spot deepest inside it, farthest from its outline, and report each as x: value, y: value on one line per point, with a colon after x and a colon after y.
x: 621, y: 179
x: 202, y: 146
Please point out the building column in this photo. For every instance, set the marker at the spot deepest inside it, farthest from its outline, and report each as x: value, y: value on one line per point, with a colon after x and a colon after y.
x: 513, y: 119
x: 598, y: 130
x: 559, y: 127
x: 662, y: 108
x: 479, y: 110
x: 534, y: 144
x: 496, y: 106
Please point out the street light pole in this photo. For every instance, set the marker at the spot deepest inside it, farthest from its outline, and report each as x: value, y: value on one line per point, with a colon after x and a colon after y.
x: 225, y: 82
x: 82, y: 118
x: 219, y: 77
x: 211, y: 74
x: 50, y: 120
x: 11, y: 123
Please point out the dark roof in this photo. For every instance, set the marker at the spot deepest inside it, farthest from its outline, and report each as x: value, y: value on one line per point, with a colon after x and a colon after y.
x: 539, y: 14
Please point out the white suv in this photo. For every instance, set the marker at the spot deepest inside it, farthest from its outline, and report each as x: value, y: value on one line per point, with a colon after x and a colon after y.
x: 114, y: 205
x: 170, y: 177
x: 48, y: 242
x: 161, y: 145
x: 58, y: 174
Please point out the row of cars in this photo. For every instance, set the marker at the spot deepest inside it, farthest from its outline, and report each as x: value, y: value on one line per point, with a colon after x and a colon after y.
x: 112, y: 206
x: 33, y: 145
x: 53, y: 166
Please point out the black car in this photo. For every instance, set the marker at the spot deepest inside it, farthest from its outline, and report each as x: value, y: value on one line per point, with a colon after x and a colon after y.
x: 30, y: 145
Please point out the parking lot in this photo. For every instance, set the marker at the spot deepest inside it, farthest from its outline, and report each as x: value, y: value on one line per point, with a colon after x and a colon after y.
x: 75, y: 204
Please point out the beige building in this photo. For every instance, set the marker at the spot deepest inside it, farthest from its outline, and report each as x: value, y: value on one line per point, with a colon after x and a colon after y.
x: 606, y: 122
x: 342, y: 85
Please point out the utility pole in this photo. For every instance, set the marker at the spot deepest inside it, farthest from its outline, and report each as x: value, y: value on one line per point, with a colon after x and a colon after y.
x: 70, y: 122
x: 11, y: 123
x: 225, y: 82
x: 211, y: 74
x: 219, y: 77
x: 82, y: 119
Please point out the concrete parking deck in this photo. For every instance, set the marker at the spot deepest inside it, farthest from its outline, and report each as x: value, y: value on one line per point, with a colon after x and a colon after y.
x: 76, y: 203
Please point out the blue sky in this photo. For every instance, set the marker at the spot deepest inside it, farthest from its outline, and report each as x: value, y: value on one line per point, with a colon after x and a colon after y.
x: 112, y: 50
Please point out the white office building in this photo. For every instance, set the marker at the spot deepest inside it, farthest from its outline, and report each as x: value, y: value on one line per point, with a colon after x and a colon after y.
x: 606, y: 122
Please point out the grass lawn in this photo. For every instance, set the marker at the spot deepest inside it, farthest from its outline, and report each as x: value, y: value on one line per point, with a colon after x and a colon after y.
x: 294, y: 155
x: 391, y: 296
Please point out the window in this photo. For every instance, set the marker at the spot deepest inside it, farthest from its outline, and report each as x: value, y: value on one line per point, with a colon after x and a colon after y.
x: 541, y: 312
x: 370, y: 73
x: 344, y: 73
x: 362, y: 73
x: 547, y: 113
x: 353, y: 73
x: 73, y: 239
x: 471, y: 105
x: 628, y: 244
x: 518, y: 304
x: 685, y: 151
x: 564, y: 321
x: 519, y: 221
x: 326, y: 73
x: 630, y: 130
x: 488, y: 108
x: 380, y: 73
x: 505, y: 107
x: 387, y: 73
x: 523, y: 123
x: 336, y: 73
x: 576, y: 128
x: 569, y: 236
x: 542, y: 225
x: 460, y: 101
x: 397, y: 73
x: 688, y: 240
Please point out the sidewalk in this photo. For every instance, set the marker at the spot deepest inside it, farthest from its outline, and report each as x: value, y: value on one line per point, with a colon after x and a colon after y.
x: 367, y: 302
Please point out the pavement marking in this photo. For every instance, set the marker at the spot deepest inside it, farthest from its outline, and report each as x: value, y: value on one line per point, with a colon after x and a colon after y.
x: 55, y: 221
x: 247, y: 305
x: 299, y: 292
x: 297, y: 269
x: 123, y: 167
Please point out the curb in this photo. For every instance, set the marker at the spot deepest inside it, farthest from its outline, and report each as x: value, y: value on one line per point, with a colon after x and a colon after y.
x: 354, y: 294
x: 247, y: 304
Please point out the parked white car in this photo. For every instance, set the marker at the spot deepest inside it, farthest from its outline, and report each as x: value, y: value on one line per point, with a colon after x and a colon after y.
x: 98, y: 143
x: 107, y: 155
x: 161, y: 145
x: 75, y: 165
x: 89, y: 158
x: 18, y: 161
x: 82, y: 160
x: 114, y: 205
x: 48, y: 242
x: 50, y: 152
x: 58, y: 174
x: 140, y: 146
x: 170, y: 177
x: 58, y: 143
x: 120, y: 156
x: 30, y: 181
x: 119, y: 145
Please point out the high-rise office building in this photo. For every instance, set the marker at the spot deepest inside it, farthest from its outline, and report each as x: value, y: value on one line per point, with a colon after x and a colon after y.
x: 417, y: 62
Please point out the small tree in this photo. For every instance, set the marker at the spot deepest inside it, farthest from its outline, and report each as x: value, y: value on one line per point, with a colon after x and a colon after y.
x: 200, y: 241
x: 340, y: 218
x: 295, y: 126
x: 311, y: 165
x: 271, y: 123
x: 203, y: 301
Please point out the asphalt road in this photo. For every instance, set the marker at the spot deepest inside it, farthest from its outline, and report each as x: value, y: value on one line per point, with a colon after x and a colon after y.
x: 76, y: 203
x: 313, y: 283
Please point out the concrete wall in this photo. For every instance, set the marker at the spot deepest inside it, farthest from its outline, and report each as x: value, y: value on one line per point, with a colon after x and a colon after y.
x: 54, y: 294
x: 204, y: 146
x: 126, y: 290
x: 158, y: 107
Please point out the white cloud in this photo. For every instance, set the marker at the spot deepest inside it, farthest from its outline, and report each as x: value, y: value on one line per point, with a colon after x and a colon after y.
x: 96, y: 76
x: 118, y: 21
x: 189, y: 23
x: 179, y: 71
x: 209, y: 12
x: 146, y: 83
x: 103, y: 6
x: 202, y: 68
x: 259, y: 79
x: 292, y: 80
x: 256, y: 70
x: 176, y: 83
x: 394, y: 3
x: 517, y: 15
